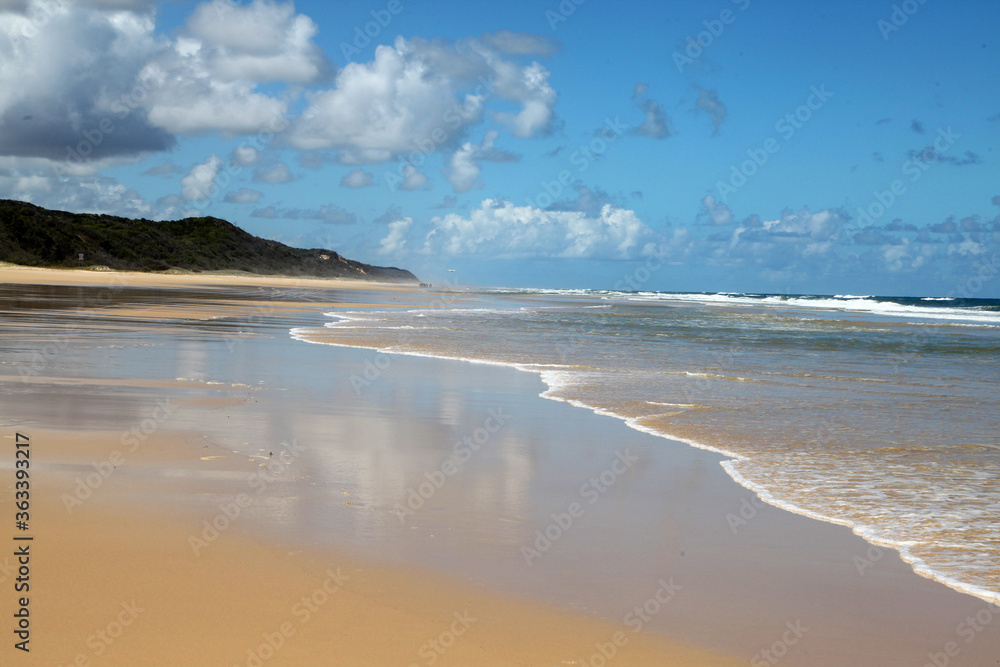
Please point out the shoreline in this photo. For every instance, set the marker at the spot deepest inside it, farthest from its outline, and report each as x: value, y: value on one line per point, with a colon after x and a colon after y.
x: 126, y: 574
x: 866, y: 533
x: 31, y: 275
x: 737, y: 591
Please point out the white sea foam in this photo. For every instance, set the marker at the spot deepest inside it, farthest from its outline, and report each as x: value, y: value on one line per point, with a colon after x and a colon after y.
x: 846, y: 304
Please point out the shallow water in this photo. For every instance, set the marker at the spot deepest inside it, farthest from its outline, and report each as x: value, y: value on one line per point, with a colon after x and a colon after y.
x: 876, y: 413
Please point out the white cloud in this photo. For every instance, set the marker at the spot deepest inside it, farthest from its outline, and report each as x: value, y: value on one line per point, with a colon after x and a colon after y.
x: 413, y: 179
x: 530, y: 86
x: 278, y: 173
x: 244, y: 156
x: 501, y: 229
x: 82, y: 190
x: 67, y: 84
x: 208, y: 78
x: 395, y: 241
x: 717, y: 213
x: 94, y: 79
x: 463, y: 168
x: 358, y: 178
x: 199, y: 184
x: 421, y: 95
x: 261, y: 41
x: 656, y: 124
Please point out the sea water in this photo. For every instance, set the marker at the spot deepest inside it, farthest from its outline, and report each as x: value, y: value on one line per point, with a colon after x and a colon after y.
x: 879, y: 413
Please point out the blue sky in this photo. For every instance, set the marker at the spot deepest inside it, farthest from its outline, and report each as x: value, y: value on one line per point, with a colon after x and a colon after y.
x: 738, y: 146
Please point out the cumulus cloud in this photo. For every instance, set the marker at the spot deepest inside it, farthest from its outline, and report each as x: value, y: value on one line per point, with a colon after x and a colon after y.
x: 501, y: 229
x: 277, y: 173
x: 243, y: 196
x: 208, y: 79
x: 395, y: 241
x: 464, y: 167
x: 94, y: 80
x: 708, y: 102
x: 531, y: 87
x: 413, y: 179
x: 422, y: 95
x: 391, y: 214
x: 587, y: 201
x: 656, y: 124
x: 358, y: 178
x: 449, y: 201
x: 69, y: 92
x: 715, y: 213
x: 244, y: 156
x: 199, y: 184
x: 84, y: 192
x: 262, y: 41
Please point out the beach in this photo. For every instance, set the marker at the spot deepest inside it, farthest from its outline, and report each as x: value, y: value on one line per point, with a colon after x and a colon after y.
x: 209, y: 489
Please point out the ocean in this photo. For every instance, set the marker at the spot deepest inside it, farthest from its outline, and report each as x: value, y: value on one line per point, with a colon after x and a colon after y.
x: 879, y: 413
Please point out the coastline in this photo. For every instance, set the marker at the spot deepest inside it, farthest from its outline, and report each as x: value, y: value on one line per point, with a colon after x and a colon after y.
x: 127, y: 575
x: 308, y: 335
x: 812, y: 561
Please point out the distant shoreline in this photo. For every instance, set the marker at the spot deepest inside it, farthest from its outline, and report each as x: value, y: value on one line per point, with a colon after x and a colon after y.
x: 17, y: 274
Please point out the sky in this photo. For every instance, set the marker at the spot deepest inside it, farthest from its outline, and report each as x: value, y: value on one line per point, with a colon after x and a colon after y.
x: 726, y: 145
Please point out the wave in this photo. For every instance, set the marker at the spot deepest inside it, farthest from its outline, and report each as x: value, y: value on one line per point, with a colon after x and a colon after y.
x: 982, y: 311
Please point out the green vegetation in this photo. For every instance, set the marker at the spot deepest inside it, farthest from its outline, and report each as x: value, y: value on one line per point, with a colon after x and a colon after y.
x: 34, y: 236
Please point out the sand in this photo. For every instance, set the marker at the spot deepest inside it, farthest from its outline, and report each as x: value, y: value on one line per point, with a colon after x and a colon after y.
x: 127, y: 570
x: 196, y: 417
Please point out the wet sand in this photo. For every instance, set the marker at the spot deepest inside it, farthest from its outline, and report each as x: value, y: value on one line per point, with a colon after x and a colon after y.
x: 329, y: 457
